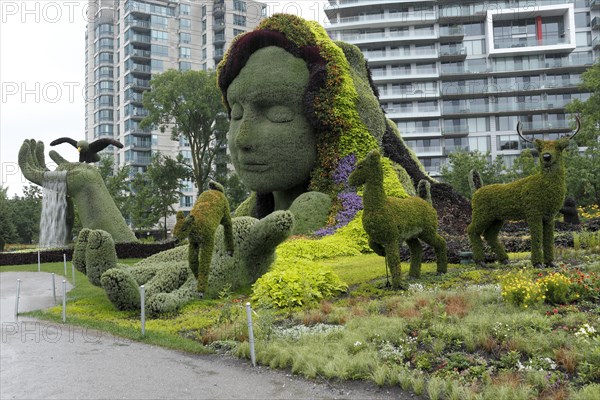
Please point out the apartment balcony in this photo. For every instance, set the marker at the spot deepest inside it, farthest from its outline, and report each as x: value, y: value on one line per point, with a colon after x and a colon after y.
x: 139, y: 39
x: 141, y: 146
x: 452, y: 33
x: 398, y: 36
x: 545, y: 126
x: 596, y: 42
x: 595, y: 23
x: 135, y: 98
x: 342, y: 5
x: 138, y: 24
x: 457, y: 13
x: 396, y: 113
x: 463, y: 72
x: 218, y: 25
x: 455, y: 130
x: 595, y: 4
x: 385, y: 57
x: 382, y: 20
x: 139, y: 113
x: 427, y: 151
x: 421, y: 133
x: 519, y: 107
x: 138, y: 84
x: 453, y: 53
x: 456, y: 149
x: 531, y: 45
x: 393, y: 76
x: 139, y: 54
x: 219, y: 8
x: 416, y: 94
x: 219, y: 38
x: 469, y: 109
x: 141, y: 69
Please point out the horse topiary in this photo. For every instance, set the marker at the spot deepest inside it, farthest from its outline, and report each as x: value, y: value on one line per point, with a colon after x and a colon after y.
x: 536, y: 199
x: 389, y: 221
x: 210, y: 210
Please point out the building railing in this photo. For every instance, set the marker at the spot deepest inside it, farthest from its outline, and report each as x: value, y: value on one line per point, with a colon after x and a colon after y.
x: 452, y: 31
x: 387, y: 35
x: 528, y: 42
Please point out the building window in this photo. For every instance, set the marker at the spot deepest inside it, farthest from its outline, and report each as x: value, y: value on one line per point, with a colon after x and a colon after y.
x: 583, y: 39
x: 185, y: 65
x: 159, y: 22
x: 237, y: 32
x: 185, y: 23
x: 203, y: 11
x: 239, y: 20
x: 185, y: 52
x: 204, y: 39
x: 185, y: 9
x: 185, y: 37
x: 160, y: 36
x: 186, y: 201
x: 103, y: 130
x: 508, y: 142
x: 157, y: 66
x: 160, y: 51
x: 239, y: 5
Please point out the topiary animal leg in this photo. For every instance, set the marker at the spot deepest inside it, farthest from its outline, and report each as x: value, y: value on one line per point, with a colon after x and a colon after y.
x: 491, y: 236
x: 193, y: 252
x: 377, y: 248
x: 204, y: 266
x: 416, y: 254
x: 475, y: 229
x: 536, y: 231
x: 121, y: 288
x: 439, y: 246
x: 393, y: 261
x: 548, y: 241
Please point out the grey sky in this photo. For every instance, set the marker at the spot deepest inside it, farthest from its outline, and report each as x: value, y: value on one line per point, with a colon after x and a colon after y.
x: 42, y: 74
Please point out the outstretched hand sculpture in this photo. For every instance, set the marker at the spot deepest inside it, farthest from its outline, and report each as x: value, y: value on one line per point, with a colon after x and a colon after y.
x: 85, y: 190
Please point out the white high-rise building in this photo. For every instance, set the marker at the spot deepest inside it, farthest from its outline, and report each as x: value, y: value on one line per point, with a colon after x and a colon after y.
x: 129, y: 41
x: 460, y: 74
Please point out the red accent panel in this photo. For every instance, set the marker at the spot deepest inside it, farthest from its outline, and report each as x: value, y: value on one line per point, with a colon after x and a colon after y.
x: 538, y: 23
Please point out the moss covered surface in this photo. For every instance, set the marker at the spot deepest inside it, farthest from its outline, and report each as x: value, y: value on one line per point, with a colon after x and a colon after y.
x: 100, y: 255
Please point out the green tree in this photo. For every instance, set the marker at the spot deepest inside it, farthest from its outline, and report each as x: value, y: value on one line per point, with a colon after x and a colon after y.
x: 456, y: 172
x: 524, y: 165
x: 589, y: 110
x: 189, y: 104
x: 116, y: 180
x: 583, y: 174
x: 235, y: 190
x: 8, y: 233
x: 26, y: 212
x: 156, y: 191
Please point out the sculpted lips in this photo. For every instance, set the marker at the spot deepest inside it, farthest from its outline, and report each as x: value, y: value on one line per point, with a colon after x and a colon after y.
x: 252, y: 166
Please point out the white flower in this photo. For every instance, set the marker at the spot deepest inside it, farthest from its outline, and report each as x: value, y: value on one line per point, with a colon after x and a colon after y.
x: 357, y: 343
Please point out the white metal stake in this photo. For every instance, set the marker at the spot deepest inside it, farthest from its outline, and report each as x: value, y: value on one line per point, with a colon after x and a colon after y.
x: 143, y: 306
x: 39, y: 263
x: 65, y: 263
x: 64, y: 308
x: 54, y: 287
x: 251, y: 334
x: 17, y: 299
x: 73, y: 272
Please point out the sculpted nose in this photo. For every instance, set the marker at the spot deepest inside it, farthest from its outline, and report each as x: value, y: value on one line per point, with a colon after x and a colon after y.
x: 547, y: 156
x: 243, y: 139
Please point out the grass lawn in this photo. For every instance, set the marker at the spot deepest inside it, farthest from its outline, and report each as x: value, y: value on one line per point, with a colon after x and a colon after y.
x: 446, y: 337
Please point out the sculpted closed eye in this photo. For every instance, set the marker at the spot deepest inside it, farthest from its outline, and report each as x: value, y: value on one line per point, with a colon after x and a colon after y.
x: 280, y: 114
x: 237, y: 112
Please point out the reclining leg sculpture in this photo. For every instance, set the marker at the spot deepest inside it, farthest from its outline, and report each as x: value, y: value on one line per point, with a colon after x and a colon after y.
x: 389, y: 221
x: 536, y: 199
x: 210, y: 211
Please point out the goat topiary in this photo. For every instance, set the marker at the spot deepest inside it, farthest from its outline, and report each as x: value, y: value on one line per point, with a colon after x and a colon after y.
x: 210, y: 210
x: 100, y: 255
x: 389, y: 221
x: 535, y: 199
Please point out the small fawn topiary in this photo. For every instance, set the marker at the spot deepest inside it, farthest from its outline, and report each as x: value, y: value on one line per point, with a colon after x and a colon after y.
x: 210, y: 210
x: 389, y: 221
x: 536, y: 199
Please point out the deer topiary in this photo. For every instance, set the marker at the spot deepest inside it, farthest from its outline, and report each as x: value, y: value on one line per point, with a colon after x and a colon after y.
x: 210, y: 210
x: 536, y: 199
x: 389, y: 221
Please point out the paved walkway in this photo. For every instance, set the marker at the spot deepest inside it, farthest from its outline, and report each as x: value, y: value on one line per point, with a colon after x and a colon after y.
x: 42, y: 360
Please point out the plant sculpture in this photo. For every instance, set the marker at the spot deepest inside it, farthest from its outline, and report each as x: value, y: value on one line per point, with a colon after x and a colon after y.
x: 79, y: 250
x: 100, y: 255
x: 389, y: 221
x: 210, y: 210
x: 536, y: 199
x: 85, y: 189
x: 569, y: 211
x: 170, y: 283
x: 301, y: 106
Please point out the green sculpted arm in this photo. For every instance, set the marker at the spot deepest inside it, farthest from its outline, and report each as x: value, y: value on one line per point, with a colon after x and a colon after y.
x: 311, y: 210
x: 85, y: 188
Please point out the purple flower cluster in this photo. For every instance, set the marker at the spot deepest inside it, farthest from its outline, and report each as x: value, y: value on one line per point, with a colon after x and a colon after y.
x: 350, y: 202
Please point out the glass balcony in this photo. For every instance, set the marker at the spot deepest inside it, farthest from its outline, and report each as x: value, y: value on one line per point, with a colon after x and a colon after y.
x: 141, y: 53
x: 461, y: 129
x: 452, y: 31
x: 528, y: 42
x: 594, y: 4
x: 386, y: 35
x: 137, y: 23
x: 466, y: 109
x: 596, y: 42
x: 139, y: 38
x: 595, y: 23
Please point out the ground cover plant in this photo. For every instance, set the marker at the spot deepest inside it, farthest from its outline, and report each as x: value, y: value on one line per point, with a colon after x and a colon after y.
x: 471, y: 333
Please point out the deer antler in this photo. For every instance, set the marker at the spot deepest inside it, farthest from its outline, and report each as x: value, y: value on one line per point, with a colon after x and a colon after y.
x: 520, y: 132
x: 578, y: 120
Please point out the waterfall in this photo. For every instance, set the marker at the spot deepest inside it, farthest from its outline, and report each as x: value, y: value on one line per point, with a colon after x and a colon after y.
x: 53, y: 224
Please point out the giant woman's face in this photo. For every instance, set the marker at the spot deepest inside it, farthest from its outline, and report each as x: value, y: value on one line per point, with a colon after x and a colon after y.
x: 272, y: 144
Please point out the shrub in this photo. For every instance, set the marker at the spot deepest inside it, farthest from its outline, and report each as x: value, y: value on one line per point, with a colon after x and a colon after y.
x: 100, y: 255
x: 79, y: 250
x: 556, y: 288
x: 296, y: 283
x: 121, y: 288
x: 519, y: 289
x: 584, y: 285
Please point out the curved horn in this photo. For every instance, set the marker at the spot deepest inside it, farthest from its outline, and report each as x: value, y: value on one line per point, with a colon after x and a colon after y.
x: 520, y: 132
x: 578, y: 120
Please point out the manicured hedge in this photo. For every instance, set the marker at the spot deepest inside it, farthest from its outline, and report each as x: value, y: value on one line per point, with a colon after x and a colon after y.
x: 124, y: 250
